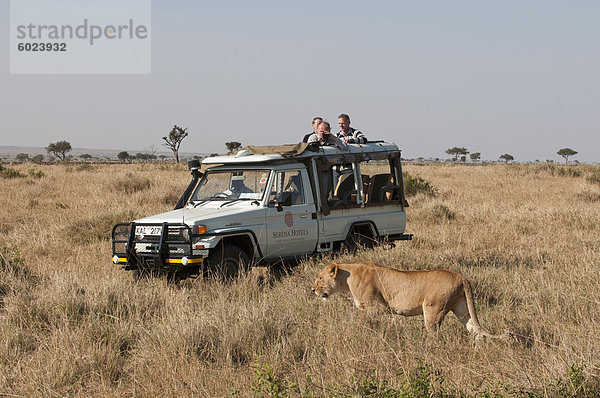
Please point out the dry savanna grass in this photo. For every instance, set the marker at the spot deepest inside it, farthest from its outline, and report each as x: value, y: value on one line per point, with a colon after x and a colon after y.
x: 73, y: 324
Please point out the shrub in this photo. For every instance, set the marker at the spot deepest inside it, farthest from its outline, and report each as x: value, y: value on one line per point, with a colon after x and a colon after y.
x: 414, y: 185
x: 36, y: 174
x: 38, y: 159
x: 421, y: 382
x: 267, y: 384
x: 7, y: 172
x: 22, y: 157
x: 575, y: 384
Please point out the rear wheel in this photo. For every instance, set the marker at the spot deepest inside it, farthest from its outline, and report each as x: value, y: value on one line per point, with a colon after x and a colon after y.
x: 359, y: 238
x: 225, y: 261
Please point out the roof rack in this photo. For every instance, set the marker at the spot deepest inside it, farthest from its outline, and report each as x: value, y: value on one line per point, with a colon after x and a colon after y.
x: 259, y: 154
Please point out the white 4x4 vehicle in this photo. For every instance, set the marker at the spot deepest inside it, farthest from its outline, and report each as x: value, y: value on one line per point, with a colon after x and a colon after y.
x: 267, y: 204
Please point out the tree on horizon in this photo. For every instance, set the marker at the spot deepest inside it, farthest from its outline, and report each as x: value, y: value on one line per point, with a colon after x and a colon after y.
x: 475, y: 156
x: 565, y: 153
x: 456, y: 152
x: 123, y: 156
x: 59, y: 149
x: 173, y: 140
x: 233, y: 146
x: 506, y: 157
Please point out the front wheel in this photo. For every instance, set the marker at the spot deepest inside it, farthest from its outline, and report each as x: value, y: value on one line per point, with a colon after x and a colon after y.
x: 140, y: 274
x: 225, y: 261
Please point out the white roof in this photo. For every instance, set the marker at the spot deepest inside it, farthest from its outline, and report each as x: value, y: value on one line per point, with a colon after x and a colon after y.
x: 245, y: 156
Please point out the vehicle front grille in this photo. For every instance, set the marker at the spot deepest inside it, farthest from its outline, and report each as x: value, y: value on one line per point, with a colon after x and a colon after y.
x: 176, y: 241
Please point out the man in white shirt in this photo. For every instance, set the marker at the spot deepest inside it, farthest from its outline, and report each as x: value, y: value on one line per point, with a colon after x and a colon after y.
x: 324, y: 137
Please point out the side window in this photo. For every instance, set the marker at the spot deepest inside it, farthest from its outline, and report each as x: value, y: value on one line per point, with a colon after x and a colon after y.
x: 288, y: 181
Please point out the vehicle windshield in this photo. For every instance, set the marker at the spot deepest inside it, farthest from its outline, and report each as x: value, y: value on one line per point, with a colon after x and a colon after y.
x: 227, y: 185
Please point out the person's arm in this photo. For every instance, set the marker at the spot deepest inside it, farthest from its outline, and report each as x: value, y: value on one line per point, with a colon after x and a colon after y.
x: 360, y: 137
x: 357, y: 137
x: 337, y: 142
x: 313, y: 138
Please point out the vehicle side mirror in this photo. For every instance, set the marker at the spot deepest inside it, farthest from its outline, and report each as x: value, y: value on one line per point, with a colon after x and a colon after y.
x: 194, y: 164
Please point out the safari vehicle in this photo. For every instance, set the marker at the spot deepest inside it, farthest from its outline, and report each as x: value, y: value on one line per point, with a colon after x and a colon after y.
x: 268, y: 204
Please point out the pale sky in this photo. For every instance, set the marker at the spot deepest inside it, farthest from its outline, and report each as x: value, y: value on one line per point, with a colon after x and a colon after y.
x: 517, y: 77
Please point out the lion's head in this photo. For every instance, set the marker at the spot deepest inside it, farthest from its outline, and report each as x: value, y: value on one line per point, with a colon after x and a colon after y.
x: 326, y: 282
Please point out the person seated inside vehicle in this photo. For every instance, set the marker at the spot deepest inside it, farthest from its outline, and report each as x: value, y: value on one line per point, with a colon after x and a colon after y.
x: 237, y: 187
x: 294, y: 186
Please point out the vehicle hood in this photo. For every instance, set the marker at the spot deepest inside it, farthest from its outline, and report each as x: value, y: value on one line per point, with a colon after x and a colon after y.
x: 204, y: 215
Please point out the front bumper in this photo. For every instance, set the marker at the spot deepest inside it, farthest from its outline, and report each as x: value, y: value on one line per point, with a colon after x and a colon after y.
x: 168, y: 250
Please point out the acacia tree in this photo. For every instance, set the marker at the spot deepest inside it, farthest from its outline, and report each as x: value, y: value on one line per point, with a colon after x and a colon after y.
x: 456, y: 152
x: 173, y: 140
x: 123, y: 156
x: 565, y: 153
x: 59, y: 149
x: 22, y: 157
x: 151, y: 150
x: 475, y: 156
x: 233, y: 146
x: 506, y: 157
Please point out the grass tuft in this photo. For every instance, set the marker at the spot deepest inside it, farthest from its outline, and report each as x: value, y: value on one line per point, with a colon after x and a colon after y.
x: 594, y: 177
x: 96, y: 228
x: 132, y: 183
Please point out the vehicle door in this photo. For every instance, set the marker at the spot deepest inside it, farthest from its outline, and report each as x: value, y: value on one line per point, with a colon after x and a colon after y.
x: 292, y: 227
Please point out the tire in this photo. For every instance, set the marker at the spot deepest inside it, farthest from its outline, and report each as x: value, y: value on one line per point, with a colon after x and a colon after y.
x: 139, y: 274
x: 225, y: 261
x: 356, y: 240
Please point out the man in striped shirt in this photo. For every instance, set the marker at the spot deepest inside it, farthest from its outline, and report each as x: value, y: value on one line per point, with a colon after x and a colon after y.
x: 349, y: 134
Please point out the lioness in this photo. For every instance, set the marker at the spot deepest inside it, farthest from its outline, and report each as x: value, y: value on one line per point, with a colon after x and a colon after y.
x: 431, y: 293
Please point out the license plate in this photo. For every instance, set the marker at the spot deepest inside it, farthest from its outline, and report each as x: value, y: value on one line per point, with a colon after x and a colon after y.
x: 148, y: 230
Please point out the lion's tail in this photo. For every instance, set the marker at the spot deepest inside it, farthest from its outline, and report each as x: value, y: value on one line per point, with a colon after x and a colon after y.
x: 475, y: 326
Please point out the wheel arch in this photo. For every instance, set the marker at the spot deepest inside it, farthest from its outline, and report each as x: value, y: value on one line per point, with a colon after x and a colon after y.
x: 365, y: 227
x: 244, y: 240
